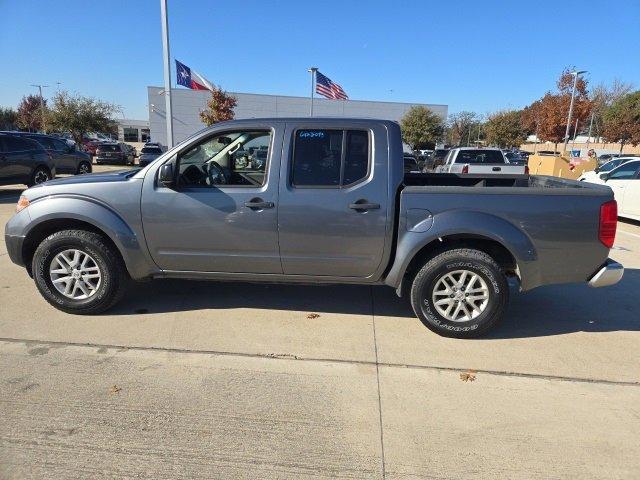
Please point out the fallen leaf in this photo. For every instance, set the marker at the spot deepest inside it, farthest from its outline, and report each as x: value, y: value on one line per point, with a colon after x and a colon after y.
x: 313, y: 315
x: 468, y: 376
x: 114, y: 389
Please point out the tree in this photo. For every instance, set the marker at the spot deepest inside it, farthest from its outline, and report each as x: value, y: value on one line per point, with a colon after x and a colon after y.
x: 421, y: 128
x: 219, y: 107
x: 547, y: 117
x: 8, y: 119
x: 80, y: 115
x: 622, y: 120
x: 602, y: 97
x: 461, y: 125
x: 505, y: 129
x: 30, y: 113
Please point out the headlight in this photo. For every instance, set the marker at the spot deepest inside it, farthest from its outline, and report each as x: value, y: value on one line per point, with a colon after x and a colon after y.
x: 23, y: 203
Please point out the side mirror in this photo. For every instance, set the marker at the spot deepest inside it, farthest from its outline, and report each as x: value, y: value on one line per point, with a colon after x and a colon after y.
x: 604, y: 176
x: 165, y: 176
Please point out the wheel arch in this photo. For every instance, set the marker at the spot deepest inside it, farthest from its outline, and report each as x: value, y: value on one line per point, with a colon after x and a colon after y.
x: 65, y: 213
x: 508, y: 245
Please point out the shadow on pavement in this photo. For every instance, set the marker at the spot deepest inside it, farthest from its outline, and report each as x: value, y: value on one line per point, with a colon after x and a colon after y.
x: 552, y: 310
x: 10, y: 195
x: 560, y: 309
x: 628, y: 221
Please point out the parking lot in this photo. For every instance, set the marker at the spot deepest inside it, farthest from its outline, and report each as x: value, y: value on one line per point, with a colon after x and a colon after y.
x: 192, y: 379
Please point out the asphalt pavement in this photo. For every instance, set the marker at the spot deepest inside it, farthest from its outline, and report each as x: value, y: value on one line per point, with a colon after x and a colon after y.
x: 228, y: 380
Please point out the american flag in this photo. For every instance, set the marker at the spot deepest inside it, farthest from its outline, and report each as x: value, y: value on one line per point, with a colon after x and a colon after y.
x: 329, y: 89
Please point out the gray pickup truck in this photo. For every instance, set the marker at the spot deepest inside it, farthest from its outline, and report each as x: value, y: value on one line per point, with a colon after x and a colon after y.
x: 330, y: 204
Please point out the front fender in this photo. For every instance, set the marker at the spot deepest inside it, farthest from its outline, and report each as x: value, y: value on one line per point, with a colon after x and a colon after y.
x: 460, y: 223
x: 98, y: 214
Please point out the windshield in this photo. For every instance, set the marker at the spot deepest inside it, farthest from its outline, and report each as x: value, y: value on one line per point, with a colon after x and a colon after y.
x: 151, y: 150
x: 479, y: 156
x: 607, y: 167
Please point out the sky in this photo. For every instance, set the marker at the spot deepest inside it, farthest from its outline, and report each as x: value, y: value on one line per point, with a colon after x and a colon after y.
x: 481, y: 56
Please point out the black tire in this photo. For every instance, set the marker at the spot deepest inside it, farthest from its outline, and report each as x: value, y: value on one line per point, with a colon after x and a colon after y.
x: 40, y: 175
x: 114, y: 276
x: 83, y: 167
x: 474, y: 261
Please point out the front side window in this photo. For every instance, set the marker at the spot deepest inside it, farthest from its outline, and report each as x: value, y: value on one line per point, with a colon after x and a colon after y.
x: 625, y: 172
x: 59, y: 145
x: 329, y: 158
x: 229, y: 159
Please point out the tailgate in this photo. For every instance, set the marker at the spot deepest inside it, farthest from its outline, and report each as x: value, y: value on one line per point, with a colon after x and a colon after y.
x: 496, y: 168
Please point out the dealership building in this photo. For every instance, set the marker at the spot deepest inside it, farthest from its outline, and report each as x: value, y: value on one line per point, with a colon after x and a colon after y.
x: 187, y: 105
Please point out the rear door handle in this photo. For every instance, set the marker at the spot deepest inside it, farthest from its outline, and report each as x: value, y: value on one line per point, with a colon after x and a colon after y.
x: 258, y: 204
x: 364, y: 205
x: 496, y: 169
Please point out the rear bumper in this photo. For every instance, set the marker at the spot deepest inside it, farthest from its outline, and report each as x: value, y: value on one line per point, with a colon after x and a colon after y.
x: 609, y: 274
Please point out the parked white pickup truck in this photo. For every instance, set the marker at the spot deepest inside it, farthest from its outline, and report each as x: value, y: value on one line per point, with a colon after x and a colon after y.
x: 482, y: 161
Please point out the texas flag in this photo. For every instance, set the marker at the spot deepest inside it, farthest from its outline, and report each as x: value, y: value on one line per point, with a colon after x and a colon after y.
x: 191, y: 79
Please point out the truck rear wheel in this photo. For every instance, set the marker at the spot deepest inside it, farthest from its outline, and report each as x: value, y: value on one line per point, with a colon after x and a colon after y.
x: 460, y: 293
x: 78, y: 271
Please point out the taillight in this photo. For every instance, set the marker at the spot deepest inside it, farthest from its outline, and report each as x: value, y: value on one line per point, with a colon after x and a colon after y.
x: 465, y: 169
x: 608, y: 223
x: 526, y: 169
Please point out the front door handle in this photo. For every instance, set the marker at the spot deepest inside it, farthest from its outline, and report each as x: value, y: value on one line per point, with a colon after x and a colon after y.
x: 362, y: 205
x: 258, y: 204
x: 497, y: 169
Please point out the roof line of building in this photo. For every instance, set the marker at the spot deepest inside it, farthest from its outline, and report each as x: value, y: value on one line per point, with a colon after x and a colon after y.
x: 308, y: 98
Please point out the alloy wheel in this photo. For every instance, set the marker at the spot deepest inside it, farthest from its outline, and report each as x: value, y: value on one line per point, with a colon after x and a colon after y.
x: 460, y: 295
x: 75, y: 274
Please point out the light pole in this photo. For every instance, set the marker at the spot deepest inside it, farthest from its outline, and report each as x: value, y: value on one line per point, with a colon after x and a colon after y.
x: 313, y: 71
x: 573, y: 94
x: 167, y: 71
x: 42, y: 119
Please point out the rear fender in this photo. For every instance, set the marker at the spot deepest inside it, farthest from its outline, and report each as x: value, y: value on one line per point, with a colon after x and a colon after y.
x: 460, y: 224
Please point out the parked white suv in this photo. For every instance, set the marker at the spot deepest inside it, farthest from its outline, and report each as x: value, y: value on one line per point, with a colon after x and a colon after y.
x: 625, y: 183
x: 595, y: 176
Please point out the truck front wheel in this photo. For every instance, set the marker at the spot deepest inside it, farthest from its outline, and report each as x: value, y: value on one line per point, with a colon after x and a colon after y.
x: 460, y: 293
x: 78, y: 271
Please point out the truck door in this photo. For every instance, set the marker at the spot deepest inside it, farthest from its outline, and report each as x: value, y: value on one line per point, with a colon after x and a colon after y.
x: 332, y: 211
x: 221, y: 213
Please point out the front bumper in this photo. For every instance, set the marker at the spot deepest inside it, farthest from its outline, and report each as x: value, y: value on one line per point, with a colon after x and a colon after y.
x: 609, y: 274
x: 14, y: 248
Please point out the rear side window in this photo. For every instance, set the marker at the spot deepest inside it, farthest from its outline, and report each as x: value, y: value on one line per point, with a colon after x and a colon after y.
x: 479, y: 156
x: 329, y: 158
x: 17, y: 144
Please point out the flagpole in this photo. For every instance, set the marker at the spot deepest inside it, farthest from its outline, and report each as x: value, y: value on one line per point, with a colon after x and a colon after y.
x: 167, y: 71
x: 313, y: 71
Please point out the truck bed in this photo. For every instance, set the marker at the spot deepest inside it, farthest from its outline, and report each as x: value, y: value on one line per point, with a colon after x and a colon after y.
x: 502, y: 184
x: 558, y: 218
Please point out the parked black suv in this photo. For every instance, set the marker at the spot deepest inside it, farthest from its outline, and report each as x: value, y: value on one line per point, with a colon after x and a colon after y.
x: 23, y: 160
x: 115, y: 153
x: 67, y: 158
